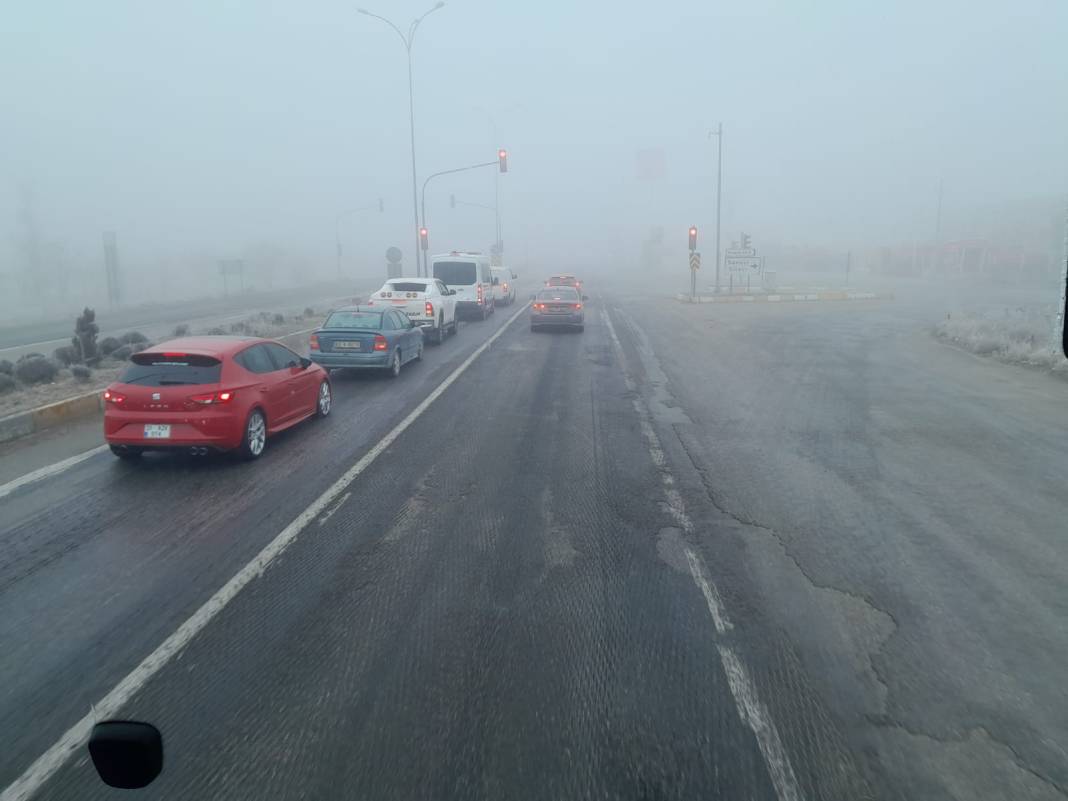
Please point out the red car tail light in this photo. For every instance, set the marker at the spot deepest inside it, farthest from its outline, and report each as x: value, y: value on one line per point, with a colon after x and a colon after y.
x: 539, y: 305
x: 210, y: 398
x: 113, y: 397
x: 380, y: 343
x: 429, y: 309
x: 313, y: 342
x: 578, y: 305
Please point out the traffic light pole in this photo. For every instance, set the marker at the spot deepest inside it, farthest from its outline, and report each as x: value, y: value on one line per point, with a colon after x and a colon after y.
x: 425, y: 273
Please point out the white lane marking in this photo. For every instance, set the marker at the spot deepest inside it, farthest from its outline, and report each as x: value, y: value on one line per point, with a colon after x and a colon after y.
x: 330, y: 512
x: 49, y: 470
x: 32, y: 345
x: 750, y: 708
x: 53, y: 759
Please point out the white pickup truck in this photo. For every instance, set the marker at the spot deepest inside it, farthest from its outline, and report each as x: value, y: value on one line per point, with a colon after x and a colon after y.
x: 427, y: 301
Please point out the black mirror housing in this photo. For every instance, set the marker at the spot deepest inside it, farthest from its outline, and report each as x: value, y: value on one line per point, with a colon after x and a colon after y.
x: 305, y: 363
x: 125, y: 753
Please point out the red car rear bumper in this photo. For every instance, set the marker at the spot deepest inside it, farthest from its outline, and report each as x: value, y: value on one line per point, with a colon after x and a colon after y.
x: 205, y: 429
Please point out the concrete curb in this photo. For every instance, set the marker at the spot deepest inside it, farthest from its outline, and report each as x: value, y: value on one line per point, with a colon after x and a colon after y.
x: 22, y: 424
x: 790, y: 298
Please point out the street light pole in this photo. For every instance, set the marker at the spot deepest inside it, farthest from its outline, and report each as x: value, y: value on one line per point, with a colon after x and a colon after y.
x: 408, y: 41
x: 718, y: 133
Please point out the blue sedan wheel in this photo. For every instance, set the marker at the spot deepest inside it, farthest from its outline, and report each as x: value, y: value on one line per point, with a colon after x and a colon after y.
x: 395, y: 365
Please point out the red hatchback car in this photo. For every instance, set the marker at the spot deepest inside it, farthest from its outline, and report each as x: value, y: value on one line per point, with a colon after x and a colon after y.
x: 212, y: 393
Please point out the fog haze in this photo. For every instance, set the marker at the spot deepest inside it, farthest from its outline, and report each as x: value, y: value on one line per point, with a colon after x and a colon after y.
x: 212, y: 130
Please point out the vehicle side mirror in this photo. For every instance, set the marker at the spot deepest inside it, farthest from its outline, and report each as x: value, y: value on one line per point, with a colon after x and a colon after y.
x: 533, y: 296
x: 585, y: 297
x: 305, y: 363
x: 452, y: 291
x: 125, y: 753
x: 496, y: 281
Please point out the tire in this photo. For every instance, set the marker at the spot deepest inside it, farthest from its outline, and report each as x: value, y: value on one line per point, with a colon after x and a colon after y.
x: 455, y: 324
x: 485, y: 314
x: 440, y: 332
x: 419, y: 353
x: 580, y: 328
x: 534, y: 329
x: 126, y: 452
x: 254, y: 440
x: 395, y: 365
x: 320, y: 410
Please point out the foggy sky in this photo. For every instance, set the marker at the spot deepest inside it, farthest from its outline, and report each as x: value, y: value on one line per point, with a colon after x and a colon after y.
x: 210, y: 126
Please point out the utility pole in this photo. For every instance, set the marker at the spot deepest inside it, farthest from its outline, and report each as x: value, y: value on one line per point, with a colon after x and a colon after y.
x: 938, y: 214
x: 718, y: 133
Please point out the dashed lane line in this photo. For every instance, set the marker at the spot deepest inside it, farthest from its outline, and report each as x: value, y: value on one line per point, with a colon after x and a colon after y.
x: 751, y: 709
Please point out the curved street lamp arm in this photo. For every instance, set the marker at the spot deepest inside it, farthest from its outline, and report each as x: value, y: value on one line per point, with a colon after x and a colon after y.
x: 366, y: 13
x: 415, y: 23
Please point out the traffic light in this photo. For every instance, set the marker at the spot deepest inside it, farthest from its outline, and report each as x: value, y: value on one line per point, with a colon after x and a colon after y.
x: 745, y: 241
x: 424, y: 238
x: 693, y: 237
x: 502, y: 159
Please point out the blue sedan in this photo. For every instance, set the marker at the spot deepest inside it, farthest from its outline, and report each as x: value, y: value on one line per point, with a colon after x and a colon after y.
x: 366, y: 337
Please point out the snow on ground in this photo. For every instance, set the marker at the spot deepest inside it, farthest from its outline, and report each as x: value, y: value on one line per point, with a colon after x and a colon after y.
x: 1020, y: 335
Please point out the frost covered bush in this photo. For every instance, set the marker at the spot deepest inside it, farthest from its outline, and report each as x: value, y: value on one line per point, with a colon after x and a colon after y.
x: 36, y: 371
x: 108, y: 345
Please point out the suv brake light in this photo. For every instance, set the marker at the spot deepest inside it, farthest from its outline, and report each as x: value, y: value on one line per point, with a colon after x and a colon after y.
x: 429, y: 309
x: 380, y: 343
x: 313, y: 342
x: 113, y: 397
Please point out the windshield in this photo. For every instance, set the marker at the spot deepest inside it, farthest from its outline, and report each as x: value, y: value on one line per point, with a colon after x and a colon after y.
x: 613, y: 400
x: 353, y: 319
x: 456, y: 273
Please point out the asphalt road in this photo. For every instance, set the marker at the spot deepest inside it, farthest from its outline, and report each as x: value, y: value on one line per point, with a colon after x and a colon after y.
x: 693, y: 552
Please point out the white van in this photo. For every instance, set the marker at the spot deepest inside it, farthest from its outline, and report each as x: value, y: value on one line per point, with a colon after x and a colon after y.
x: 469, y: 274
x: 503, y: 286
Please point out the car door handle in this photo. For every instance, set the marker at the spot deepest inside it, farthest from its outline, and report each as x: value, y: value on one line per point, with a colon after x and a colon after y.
x: 265, y: 389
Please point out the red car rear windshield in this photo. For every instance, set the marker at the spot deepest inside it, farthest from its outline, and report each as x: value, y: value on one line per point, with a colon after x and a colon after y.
x: 166, y: 369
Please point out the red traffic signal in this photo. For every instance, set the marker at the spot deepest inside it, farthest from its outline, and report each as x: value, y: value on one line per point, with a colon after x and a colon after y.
x: 693, y: 237
x: 502, y: 159
x: 424, y: 238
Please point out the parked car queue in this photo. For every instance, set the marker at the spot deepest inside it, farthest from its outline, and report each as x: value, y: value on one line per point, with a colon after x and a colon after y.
x: 232, y: 393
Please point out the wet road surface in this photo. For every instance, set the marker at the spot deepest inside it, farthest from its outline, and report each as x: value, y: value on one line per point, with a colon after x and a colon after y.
x: 618, y: 564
